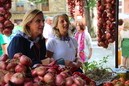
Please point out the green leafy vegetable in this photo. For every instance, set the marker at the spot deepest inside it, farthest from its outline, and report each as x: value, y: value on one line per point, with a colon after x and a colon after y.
x: 95, y: 64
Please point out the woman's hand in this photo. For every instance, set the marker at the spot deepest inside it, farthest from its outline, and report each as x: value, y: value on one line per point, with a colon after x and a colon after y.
x: 74, y: 64
x: 78, y: 64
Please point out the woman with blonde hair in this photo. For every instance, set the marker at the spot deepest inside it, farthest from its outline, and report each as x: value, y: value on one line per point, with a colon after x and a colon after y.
x: 30, y: 41
x: 124, y: 36
x: 63, y: 45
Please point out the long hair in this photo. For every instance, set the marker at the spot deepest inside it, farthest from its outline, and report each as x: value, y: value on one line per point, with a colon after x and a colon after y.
x: 80, y: 24
x: 55, y: 23
x: 28, y: 17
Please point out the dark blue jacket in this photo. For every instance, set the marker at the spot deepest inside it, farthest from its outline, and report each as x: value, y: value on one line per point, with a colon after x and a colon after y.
x: 21, y: 45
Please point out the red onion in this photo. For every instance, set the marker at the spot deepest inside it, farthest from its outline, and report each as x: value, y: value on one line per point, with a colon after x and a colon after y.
x: 8, y: 76
x: 17, y: 55
x: 25, y: 60
x: 20, y: 68
x: 48, y: 78
x: 69, y: 81
x: 40, y: 70
x: 11, y: 66
x: 60, y: 80
x: 17, y: 78
x: 4, y: 57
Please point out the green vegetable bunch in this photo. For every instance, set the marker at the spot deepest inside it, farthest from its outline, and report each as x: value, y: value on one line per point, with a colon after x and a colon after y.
x: 95, y: 64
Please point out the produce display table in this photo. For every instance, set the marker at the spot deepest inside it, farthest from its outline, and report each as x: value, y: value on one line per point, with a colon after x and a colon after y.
x: 19, y: 72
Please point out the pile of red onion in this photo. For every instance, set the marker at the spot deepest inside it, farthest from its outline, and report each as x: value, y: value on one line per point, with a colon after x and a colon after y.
x: 6, y: 26
x: 19, y: 71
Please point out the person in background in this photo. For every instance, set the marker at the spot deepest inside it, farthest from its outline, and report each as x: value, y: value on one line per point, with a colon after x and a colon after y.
x: 72, y: 29
x: 124, y: 36
x: 120, y: 23
x: 3, y: 45
x: 47, y: 32
x: 63, y: 45
x: 17, y: 28
x: 30, y: 41
x: 120, y: 27
x: 84, y: 42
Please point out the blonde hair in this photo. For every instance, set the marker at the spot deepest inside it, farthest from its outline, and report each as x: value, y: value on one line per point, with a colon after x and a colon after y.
x: 55, y: 22
x: 126, y: 25
x: 28, y: 17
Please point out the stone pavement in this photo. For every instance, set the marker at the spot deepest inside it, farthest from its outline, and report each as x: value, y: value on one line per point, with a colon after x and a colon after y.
x: 100, y: 52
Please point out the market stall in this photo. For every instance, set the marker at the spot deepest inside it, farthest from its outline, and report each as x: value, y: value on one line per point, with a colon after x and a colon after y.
x: 19, y: 71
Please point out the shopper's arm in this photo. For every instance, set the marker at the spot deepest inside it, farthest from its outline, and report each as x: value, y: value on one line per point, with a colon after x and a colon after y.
x: 4, y: 48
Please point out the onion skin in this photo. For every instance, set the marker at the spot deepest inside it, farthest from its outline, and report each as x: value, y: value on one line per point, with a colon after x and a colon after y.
x: 2, y: 11
x: 41, y: 78
x: 108, y: 35
x: 1, y: 27
x: 8, y: 15
x: 2, y: 18
x: 37, y: 79
x: 69, y: 81
x: 2, y: 82
x: 36, y: 84
x: 33, y: 73
x: 52, y: 70
x: 7, y: 84
x: 7, y: 6
x: 48, y: 78
x: 8, y: 23
x: 74, y: 84
x: 40, y: 70
x: 27, y: 79
x: 11, y: 66
x: 3, y: 65
x: 17, y: 78
x: 8, y: 76
x: 79, y: 81
x: 17, y: 55
x: 25, y: 60
x: 108, y: 1
x: 20, y: 68
x: 2, y: 1
x: 64, y: 74
x: 60, y: 80
x: 4, y: 57
x: 28, y: 83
